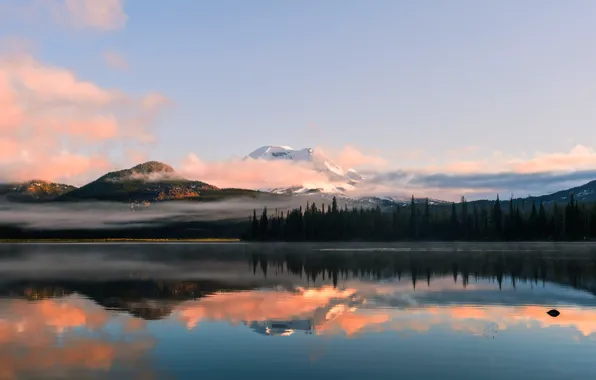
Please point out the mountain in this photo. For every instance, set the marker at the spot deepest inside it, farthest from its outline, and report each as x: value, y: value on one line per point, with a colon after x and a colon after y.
x: 148, y: 182
x: 339, y: 179
x: 34, y: 191
x: 583, y: 193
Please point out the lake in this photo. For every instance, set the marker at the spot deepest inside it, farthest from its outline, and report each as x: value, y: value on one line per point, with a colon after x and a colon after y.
x: 297, y: 311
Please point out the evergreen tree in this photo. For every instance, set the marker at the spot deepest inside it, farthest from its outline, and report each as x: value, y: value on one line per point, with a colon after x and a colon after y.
x: 255, y: 225
x: 464, y: 218
x: 523, y: 220
x: 413, y: 220
x: 542, y: 222
x: 426, y: 220
x: 533, y: 222
x: 454, y: 224
x: 498, y: 218
x: 264, y: 225
x: 476, y: 222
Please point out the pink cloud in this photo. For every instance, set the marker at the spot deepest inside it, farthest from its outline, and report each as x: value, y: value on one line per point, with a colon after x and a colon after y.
x: 9, y: 149
x: 578, y: 158
x: 350, y: 157
x: 103, y: 15
x: 252, y: 174
x: 12, y: 114
x: 47, y: 84
x: 54, y: 124
x: 54, y: 167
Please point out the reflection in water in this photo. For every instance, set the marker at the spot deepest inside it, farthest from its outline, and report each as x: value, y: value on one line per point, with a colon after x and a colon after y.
x: 115, y: 327
x: 66, y: 337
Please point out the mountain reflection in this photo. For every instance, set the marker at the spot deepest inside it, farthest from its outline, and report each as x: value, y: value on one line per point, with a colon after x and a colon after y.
x: 62, y: 325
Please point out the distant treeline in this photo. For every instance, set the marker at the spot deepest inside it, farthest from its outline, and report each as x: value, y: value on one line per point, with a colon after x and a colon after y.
x: 164, y: 230
x: 495, y: 221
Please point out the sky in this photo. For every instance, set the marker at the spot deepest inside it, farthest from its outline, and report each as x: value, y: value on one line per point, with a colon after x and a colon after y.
x: 464, y: 89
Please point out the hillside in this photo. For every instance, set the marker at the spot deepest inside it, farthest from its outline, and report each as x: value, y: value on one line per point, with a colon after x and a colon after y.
x: 149, y: 182
x: 584, y: 193
x: 34, y: 191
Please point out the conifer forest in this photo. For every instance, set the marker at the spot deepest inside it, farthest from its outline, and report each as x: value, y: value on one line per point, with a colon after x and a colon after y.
x: 488, y: 221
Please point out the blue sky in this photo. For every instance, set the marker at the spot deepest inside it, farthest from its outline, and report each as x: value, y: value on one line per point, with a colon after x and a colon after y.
x: 420, y: 83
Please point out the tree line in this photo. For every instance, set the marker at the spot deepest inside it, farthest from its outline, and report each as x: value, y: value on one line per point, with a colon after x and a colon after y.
x: 497, y: 220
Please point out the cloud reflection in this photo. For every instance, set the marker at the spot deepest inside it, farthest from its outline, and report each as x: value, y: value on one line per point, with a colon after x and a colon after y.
x: 64, y: 337
x: 362, y: 307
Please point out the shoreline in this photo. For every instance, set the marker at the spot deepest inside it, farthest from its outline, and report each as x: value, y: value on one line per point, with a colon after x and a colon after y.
x: 120, y: 240
x: 270, y: 242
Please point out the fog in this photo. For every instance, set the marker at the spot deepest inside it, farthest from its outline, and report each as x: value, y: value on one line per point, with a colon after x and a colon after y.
x: 94, y: 215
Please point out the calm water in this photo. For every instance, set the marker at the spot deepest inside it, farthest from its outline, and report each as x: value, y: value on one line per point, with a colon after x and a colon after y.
x: 231, y: 311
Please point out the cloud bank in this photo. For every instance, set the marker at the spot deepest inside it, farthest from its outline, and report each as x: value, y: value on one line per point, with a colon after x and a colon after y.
x: 59, y: 127
x: 537, y: 175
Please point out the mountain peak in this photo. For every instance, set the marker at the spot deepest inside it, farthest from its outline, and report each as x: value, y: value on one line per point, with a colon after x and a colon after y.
x: 152, y: 167
x: 339, y: 179
x: 282, y: 152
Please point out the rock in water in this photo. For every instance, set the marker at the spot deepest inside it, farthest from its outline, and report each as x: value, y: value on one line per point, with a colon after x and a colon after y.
x: 553, y: 313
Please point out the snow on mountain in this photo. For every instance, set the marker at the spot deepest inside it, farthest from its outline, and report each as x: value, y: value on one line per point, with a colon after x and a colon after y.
x: 340, y: 180
x: 320, y: 163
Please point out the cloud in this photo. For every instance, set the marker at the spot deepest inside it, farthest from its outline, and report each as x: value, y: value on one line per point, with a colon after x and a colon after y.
x: 485, y: 177
x: 351, y: 157
x: 115, y: 60
x: 503, y: 180
x: 537, y: 183
x: 101, y: 15
x: 251, y: 173
x: 269, y: 174
x: 580, y: 157
x: 56, y: 126
x: 450, y: 181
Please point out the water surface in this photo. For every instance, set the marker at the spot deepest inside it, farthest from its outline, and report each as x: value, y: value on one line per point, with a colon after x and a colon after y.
x: 229, y: 311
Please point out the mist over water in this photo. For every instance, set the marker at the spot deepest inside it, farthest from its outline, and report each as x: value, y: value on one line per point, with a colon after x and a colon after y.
x: 97, y: 215
x: 226, y: 311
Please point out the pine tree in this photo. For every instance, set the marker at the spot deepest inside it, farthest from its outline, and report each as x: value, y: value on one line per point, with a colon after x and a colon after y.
x: 454, y: 224
x: 426, y: 220
x: 533, y: 222
x: 592, y: 222
x: 264, y: 225
x: 557, y: 222
x: 464, y: 217
x: 476, y: 222
x: 498, y: 218
x: 413, y: 221
x: 255, y: 225
x: 542, y: 222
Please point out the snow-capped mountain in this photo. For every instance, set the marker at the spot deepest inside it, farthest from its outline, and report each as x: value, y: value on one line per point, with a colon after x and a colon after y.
x: 340, y: 180
x: 320, y: 162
